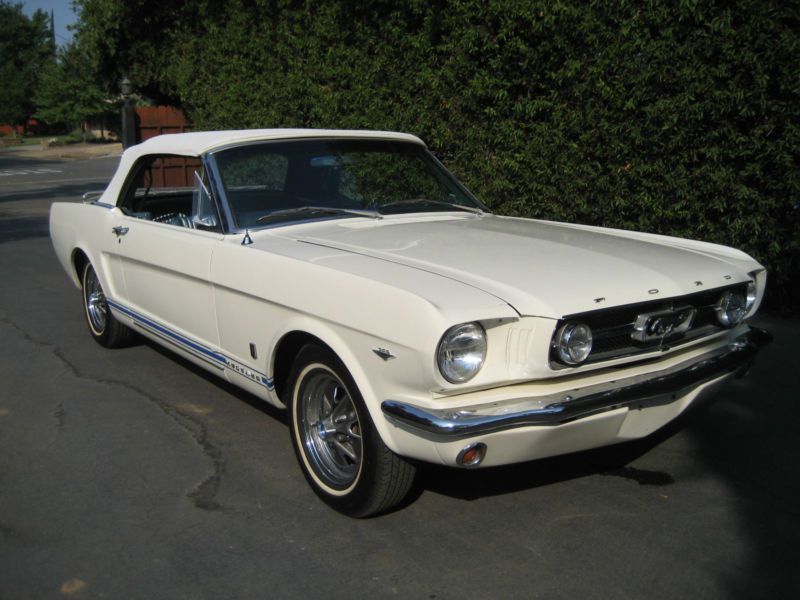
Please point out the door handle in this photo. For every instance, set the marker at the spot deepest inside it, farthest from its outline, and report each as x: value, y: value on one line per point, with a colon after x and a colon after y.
x: 120, y: 230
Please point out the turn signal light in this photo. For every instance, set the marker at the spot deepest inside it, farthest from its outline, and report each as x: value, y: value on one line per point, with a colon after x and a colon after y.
x: 472, y: 455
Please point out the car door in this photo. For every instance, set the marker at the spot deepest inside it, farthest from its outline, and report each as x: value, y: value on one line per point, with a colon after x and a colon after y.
x: 166, y: 234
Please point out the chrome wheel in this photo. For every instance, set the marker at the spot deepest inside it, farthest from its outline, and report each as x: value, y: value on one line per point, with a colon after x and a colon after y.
x: 338, y: 448
x: 96, y: 306
x: 329, y: 427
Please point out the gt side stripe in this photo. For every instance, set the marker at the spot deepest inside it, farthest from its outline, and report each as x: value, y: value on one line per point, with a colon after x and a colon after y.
x: 171, y: 334
x: 212, y: 357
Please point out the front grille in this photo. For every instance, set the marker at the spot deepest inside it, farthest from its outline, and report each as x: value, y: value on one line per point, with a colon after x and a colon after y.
x: 612, y: 328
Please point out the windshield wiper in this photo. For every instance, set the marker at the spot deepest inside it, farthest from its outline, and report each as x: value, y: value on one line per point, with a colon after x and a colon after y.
x: 413, y: 201
x: 325, y: 210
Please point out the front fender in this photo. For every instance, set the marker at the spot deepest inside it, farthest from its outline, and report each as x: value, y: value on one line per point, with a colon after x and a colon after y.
x: 375, y: 377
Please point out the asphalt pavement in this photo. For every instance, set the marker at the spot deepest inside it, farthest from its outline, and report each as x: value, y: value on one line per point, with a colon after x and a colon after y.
x: 131, y: 474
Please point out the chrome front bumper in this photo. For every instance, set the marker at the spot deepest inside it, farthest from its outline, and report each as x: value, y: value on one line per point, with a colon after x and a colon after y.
x: 641, y: 391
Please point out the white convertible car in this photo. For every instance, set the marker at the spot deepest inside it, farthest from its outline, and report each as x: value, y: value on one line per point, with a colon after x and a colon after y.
x: 349, y: 277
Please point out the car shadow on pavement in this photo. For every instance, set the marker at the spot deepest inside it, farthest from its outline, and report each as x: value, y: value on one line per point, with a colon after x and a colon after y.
x: 237, y: 392
x: 749, y: 439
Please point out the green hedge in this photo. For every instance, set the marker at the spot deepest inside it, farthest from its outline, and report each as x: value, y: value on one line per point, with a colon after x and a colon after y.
x: 671, y: 117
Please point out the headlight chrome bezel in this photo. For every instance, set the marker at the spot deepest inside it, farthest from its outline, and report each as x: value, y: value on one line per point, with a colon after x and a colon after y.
x: 732, y: 307
x: 461, y: 352
x: 573, y: 343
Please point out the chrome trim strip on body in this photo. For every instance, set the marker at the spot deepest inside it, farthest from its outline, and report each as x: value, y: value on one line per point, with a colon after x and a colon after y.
x: 218, y: 192
x: 650, y: 389
x: 212, y: 357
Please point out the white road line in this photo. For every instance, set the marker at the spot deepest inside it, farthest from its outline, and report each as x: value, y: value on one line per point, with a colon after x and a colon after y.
x: 29, y: 172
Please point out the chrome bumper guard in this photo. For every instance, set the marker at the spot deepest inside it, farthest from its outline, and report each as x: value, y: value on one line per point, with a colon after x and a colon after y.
x: 650, y: 389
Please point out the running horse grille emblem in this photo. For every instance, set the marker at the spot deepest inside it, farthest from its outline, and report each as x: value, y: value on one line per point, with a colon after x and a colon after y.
x: 661, y: 325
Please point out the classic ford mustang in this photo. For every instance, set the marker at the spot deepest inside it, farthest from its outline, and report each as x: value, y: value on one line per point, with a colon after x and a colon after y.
x: 350, y: 278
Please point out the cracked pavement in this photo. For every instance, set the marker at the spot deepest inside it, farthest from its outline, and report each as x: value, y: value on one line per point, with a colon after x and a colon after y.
x: 132, y: 474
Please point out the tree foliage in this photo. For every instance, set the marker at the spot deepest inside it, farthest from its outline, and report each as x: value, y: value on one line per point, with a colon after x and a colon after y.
x: 133, y: 38
x: 676, y: 118
x: 26, y: 46
x: 68, y: 92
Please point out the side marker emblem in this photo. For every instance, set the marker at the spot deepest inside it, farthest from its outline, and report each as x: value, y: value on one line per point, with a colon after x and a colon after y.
x: 383, y: 353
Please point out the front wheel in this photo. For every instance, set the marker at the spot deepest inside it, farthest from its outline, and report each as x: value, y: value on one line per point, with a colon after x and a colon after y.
x: 341, y: 454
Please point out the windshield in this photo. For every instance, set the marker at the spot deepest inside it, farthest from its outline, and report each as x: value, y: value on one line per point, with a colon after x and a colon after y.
x: 302, y: 179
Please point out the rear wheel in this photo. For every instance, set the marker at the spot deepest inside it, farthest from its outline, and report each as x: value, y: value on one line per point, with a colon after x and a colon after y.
x: 103, y: 326
x: 341, y: 454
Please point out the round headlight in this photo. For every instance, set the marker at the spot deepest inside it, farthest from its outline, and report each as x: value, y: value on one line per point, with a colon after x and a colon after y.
x: 573, y: 342
x: 731, y: 308
x: 461, y: 352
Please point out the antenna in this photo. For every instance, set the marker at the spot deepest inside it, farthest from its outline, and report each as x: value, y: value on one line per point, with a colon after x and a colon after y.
x: 247, y: 240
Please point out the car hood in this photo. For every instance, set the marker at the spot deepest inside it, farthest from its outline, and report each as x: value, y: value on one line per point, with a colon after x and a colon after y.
x: 540, y: 268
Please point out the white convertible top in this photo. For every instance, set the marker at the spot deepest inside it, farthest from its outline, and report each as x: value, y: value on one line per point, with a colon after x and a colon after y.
x: 198, y: 143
